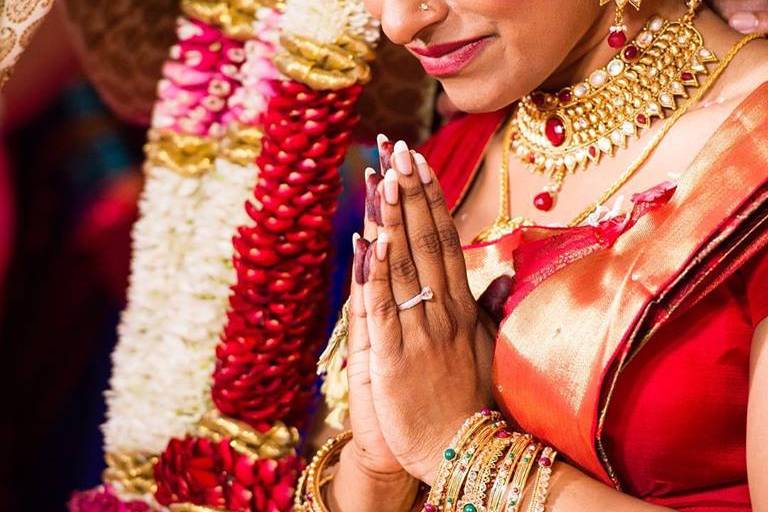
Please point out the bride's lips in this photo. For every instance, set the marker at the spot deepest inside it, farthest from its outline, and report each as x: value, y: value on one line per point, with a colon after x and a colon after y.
x: 449, y: 58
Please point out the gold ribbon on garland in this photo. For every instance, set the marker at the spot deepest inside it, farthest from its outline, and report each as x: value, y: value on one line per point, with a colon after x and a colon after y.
x: 277, y: 442
x: 233, y: 17
x: 188, y: 155
x: 325, y: 66
x: 131, y: 472
x: 189, y: 507
x: 192, y: 155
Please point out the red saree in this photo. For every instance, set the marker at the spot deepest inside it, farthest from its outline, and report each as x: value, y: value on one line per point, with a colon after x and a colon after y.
x: 627, y: 345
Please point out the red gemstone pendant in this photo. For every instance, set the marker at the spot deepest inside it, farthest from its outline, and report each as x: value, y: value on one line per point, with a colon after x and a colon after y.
x: 544, y: 201
x: 554, y: 129
x: 617, y: 39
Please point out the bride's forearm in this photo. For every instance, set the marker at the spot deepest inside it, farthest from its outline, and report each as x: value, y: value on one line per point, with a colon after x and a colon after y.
x: 573, y: 491
x: 354, y: 489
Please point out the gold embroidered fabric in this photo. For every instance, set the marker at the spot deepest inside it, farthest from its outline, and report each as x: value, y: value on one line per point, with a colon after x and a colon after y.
x: 18, y: 21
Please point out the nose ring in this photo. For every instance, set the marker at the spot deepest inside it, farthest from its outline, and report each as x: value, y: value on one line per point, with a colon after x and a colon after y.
x: 423, y: 6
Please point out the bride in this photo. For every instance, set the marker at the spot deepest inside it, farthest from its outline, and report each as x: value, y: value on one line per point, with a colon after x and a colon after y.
x: 559, y: 301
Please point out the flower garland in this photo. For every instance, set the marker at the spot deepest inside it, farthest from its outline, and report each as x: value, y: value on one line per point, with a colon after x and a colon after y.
x: 200, y: 170
x: 225, y: 120
x: 265, y: 369
x: 157, y: 388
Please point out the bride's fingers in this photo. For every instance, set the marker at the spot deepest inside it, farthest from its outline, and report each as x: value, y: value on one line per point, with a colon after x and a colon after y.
x: 448, y: 236
x: 386, y: 147
x: 380, y: 304
x: 749, y: 22
x: 423, y: 239
x: 401, y: 268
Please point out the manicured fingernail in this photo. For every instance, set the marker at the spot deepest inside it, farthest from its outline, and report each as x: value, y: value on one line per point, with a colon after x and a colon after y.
x: 390, y: 187
x: 355, y: 238
x: 744, y: 21
x: 372, y: 196
x: 402, y: 158
x: 361, y: 248
x: 385, y: 152
x: 367, y: 261
x: 381, y: 246
x: 425, y: 175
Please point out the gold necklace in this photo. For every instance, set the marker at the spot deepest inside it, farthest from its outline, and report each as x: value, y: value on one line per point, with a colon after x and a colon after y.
x: 505, y: 223
x: 556, y: 134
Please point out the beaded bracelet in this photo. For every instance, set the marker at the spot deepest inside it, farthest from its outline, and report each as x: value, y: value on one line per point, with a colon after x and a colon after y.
x: 451, y: 455
x: 541, y: 484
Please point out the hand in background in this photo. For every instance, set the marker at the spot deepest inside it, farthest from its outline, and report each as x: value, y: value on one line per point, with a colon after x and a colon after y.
x: 743, y: 15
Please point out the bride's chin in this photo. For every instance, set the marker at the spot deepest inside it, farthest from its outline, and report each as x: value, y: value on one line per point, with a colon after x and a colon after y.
x: 469, y: 96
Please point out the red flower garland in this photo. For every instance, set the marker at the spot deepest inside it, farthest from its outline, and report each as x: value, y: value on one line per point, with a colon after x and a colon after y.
x: 265, y: 369
x: 213, y: 474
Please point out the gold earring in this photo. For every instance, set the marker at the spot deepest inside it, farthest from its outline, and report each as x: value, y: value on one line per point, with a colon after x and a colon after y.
x: 617, y: 36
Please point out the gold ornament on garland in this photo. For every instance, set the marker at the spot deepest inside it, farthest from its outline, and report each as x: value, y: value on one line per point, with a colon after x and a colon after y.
x: 131, y: 472
x: 234, y: 17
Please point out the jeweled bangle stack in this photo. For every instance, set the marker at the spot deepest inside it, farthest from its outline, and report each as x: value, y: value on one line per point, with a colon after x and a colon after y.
x: 487, y: 468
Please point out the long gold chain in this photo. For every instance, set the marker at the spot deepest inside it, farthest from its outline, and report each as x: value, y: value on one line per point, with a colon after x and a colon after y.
x: 504, y: 223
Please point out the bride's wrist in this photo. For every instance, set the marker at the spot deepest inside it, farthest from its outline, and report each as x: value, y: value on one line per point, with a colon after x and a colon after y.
x: 356, y: 487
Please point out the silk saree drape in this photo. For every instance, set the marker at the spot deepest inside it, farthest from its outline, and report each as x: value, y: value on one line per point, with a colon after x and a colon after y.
x: 587, y: 299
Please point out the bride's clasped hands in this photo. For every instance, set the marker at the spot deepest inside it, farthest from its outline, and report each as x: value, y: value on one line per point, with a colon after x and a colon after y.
x: 420, y: 346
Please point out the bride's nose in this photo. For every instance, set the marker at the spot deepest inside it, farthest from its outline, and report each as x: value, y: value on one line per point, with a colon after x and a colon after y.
x: 403, y: 20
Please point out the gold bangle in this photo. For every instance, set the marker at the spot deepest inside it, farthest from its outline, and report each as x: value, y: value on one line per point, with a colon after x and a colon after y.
x: 507, y: 469
x: 484, y: 470
x: 520, y: 477
x: 451, y: 454
x: 467, y: 461
x: 309, y: 497
x: 541, y: 484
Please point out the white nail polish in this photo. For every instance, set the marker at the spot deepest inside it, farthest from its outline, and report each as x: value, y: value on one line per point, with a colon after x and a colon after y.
x: 400, y: 147
x: 355, y: 238
x: 369, y: 171
x: 425, y: 175
x: 381, y: 139
x: 381, y: 245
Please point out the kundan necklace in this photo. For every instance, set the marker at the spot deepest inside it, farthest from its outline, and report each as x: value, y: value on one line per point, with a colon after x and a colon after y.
x: 557, y: 133
x: 506, y: 223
